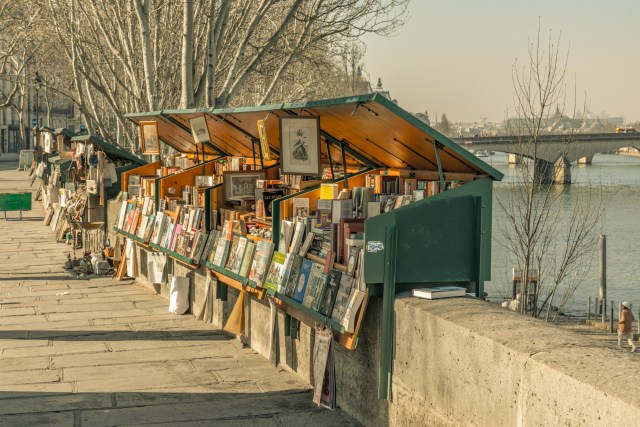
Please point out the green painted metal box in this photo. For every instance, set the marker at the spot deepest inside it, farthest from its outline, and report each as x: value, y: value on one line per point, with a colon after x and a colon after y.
x: 15, y: 202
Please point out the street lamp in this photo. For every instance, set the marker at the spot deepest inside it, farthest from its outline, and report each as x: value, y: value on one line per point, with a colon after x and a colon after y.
x: 37, y: 80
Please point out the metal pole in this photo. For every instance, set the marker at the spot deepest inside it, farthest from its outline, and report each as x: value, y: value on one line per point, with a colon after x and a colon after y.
x: 589, y: 309
x: 595, y: 310
x: 611, y: 320
x: 604, y: 310
x: 603, y: 271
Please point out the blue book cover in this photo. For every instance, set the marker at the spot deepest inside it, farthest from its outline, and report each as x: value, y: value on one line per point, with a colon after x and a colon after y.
x: 303, y: 279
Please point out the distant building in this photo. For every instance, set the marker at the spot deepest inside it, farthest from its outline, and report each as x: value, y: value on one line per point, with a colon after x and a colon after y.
x: 56, y: 114
x: 379, y: 89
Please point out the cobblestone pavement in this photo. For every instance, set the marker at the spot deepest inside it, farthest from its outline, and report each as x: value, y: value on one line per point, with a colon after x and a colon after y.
x: 101, y: 353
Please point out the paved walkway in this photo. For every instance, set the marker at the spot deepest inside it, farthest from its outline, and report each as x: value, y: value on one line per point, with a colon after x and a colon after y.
x: 102, y: 353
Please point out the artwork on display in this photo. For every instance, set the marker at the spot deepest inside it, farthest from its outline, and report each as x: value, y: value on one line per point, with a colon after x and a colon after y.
x: 264, y: 144
x: 199, y: 130
x: 300, y: 145
x: 149, y: 138
x: 241, y: 185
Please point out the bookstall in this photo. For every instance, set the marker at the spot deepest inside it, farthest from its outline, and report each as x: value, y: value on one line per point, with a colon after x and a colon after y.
x: 83, y: 173
x: 329, y: 203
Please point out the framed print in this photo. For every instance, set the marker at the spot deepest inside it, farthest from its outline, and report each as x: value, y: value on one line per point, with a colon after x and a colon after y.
x: 300, y: 145
x: 199, y: 130
x: 149, y: 138
x: 264, y: 144
x: 241, y: 185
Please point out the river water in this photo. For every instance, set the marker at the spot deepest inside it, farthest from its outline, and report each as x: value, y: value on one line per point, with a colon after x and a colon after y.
x: 619, y: 177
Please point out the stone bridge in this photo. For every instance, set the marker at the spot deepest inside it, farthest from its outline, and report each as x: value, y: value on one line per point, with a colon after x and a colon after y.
x: 554, y: 153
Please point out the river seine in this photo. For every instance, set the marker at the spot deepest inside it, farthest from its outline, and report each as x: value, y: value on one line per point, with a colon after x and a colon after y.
x: 619, y: 178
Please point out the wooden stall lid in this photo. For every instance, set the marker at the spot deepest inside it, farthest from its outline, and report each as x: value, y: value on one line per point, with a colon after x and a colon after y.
x: 372, y: 130
x: 148, y: 169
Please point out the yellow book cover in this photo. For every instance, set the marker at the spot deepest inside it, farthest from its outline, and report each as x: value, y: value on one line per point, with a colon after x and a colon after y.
x: 329, y: 191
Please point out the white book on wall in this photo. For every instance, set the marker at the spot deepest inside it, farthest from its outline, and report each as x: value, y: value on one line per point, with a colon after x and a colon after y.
x: 439, y: 292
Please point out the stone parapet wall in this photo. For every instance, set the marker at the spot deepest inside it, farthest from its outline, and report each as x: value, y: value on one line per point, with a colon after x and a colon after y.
x: 456, y: 362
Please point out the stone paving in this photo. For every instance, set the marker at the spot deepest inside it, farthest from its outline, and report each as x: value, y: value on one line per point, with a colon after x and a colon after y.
x: 100, y: 352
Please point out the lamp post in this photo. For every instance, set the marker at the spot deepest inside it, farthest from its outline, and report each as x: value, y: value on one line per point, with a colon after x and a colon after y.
x: 37, y: 80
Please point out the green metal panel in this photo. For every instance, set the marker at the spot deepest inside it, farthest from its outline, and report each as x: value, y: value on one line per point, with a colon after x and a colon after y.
x: 15, y: 202
x: 66, y: 132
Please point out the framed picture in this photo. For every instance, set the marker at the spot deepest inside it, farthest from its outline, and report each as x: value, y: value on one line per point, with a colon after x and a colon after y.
x: 264, y: 144
x: 199, y: 130
x: 149, y: 138
x: 241, y: 185
x: 300, y: 145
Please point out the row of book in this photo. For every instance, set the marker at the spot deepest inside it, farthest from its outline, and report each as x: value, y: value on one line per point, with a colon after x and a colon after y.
x: 180, y: 233
x: 393, y: 184
x: 319, y: 287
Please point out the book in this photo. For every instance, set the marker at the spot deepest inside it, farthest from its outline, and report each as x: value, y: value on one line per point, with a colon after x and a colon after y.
x: 292, y: 272
x: 238, y: 257
x: 268, y: 197
x: 209, y: 246
x: 261, y: 261
x: 352, y: 260
x: 355, y: 301
x: 232, y: 252
x: 307, y: 244
x: 439, y: 292
x: 343, y: 296
x: 301, y: 207
x: 286, y: 233
x: 149, y: 228
x: 329, y: 191
x: 298, y: 234
x: 247, y: 259
x: 341, y: 209
x: 222, y: 250
x: 330, y: 292
x: 315, y: 287
x: 301, y: 281
x: 276, y: 271
x: 123, y: 214
x: 198, y: 247
x: 143, y: 226
x: 346, y: 228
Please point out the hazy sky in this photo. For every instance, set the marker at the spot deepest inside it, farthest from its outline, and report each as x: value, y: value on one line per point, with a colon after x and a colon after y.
x: 455, y: 56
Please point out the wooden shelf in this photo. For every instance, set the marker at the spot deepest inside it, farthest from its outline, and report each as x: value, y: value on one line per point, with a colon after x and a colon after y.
x: 235, y: 280
x: 300, y: 312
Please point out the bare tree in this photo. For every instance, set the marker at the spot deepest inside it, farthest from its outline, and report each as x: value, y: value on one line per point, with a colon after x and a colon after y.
x: 550, y: 231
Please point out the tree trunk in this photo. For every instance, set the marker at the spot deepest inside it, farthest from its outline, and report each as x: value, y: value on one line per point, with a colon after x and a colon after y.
x: 186, y: 100
x: 147, y: 54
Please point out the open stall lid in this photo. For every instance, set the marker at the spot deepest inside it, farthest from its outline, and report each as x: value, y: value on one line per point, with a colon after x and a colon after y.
x: 66, y: 132
x: 369, y: 129
x: 111, y: 150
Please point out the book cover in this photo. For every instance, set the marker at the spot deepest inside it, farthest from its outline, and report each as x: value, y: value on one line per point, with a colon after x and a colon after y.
x: 209, y: 246
x: 347, y: 226
x: 301, y: 281
x: 143, y: 226
x: 129, y: 217
x: 157, y: 228
x: 352, y: 260
x: 268, y: 197
x: 222, y: 250
x: 292, y: 272
x: 329, y: 191
x: 286, y: 233
x: 149, y: 228
x: 276, y: 271
x: 347, y: 284
x: 190, y: 243
x: 238, y: 257
x: 247, y: 259
x: 439, y: 292
x: 298, y: 234
x: 341, y: 209
x: 301, y: 207
x: 330, y: 292
x: 123, y: 214
x: 198, y: 247
x: 307, y: 244
x: 232, y: 252
x: 261, y: 260
x: 349, y: 318
x: 164, y: 240
x: 315, y: 287
x: 323, y: 217
x: 172, y: 241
